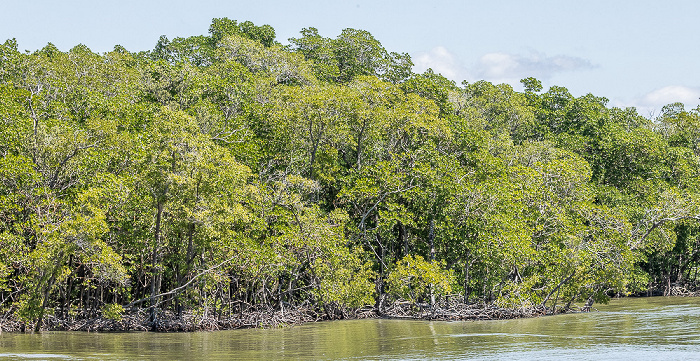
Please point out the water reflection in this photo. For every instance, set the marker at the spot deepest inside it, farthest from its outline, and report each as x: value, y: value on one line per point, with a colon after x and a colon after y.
x: 632, y: 328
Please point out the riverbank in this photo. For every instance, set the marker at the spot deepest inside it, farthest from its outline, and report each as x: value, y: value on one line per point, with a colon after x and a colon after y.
x: 664, y: 328
x: 167, y: 321
x: 461, y: 312
x: 138, y: 319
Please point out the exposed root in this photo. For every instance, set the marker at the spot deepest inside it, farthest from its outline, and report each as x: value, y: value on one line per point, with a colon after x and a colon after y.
x: 167, y: 321
x: 267, y: 317
x: 459, y: 312
x: 684, y: 291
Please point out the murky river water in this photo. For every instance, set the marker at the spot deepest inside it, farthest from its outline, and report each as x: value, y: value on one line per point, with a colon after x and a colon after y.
x: 629, y: 329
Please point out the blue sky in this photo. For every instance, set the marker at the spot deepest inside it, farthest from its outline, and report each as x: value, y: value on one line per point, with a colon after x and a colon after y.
x: 634, y: 52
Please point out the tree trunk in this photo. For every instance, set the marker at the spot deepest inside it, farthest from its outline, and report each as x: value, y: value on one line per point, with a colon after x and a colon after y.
x: 431, y: 238
x: 556, y: 289
x: 403, y: 239
x: 156, y: 260
x: 467, y: 265
x: 380, y: 278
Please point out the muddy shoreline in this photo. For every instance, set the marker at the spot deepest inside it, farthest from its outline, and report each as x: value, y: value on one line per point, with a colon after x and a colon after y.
x: 138, y: 319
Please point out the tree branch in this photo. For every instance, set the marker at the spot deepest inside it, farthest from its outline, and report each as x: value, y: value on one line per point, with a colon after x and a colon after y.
x: 178, y: 289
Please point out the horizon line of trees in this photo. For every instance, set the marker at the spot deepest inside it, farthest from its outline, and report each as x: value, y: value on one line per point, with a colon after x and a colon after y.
x: 223, y: 173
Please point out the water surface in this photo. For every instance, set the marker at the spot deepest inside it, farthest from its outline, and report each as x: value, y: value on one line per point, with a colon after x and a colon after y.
x: 644, y: 329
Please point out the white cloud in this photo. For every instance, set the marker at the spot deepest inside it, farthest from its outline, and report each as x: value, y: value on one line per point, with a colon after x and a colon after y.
x: 441, y: 61
x: 650, y: 104
x: 671, y: 94
x: 497, y: 67
x: 510, y: 68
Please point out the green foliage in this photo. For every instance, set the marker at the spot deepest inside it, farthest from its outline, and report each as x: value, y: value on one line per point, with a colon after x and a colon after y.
x: 223, y: 27
x: 242, y: 173
x: 346, y: 279
x: 271, y: 62
x: 531, y: 85
x: 415, y: 279
x: 353, y: 53
x: 113, y: 312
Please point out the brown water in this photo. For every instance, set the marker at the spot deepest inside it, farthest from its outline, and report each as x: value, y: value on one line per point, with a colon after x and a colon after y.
x: 638, y: 329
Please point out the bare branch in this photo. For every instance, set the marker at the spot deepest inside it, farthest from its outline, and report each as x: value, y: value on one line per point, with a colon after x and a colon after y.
x: 178, y: 289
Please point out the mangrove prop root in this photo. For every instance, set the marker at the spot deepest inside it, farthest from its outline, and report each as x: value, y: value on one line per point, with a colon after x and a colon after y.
x: 268, y: 317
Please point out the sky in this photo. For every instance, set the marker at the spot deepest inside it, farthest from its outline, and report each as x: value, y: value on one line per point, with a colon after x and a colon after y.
x: 639, y: 53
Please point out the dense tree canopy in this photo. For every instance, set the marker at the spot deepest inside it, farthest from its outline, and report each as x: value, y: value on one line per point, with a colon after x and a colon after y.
x: 216, y: 173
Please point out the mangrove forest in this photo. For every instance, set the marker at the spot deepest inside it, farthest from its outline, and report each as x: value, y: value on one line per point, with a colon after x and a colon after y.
x: 229, y: 180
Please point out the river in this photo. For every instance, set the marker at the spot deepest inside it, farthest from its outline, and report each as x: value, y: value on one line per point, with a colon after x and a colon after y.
x: 658, y: 328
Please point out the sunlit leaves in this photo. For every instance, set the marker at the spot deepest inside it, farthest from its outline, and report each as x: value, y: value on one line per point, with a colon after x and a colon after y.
x: 353, y: 53
x: 416, y: 280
